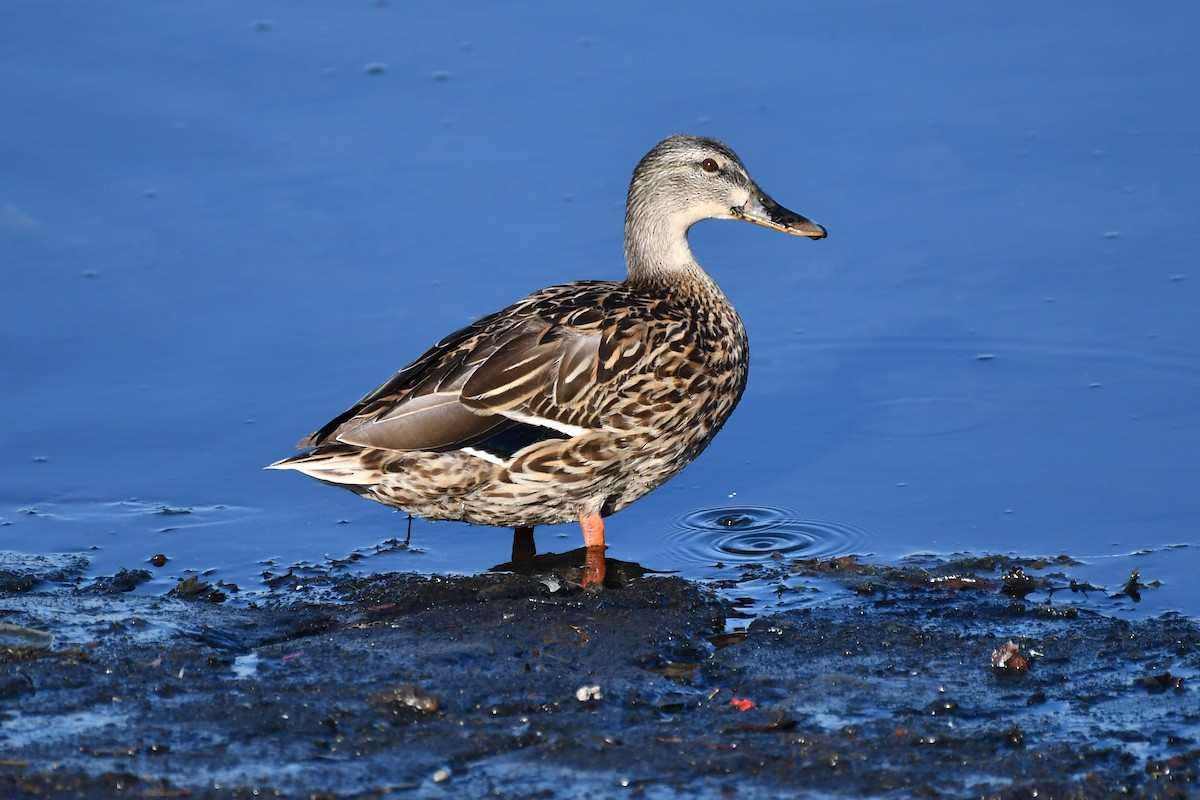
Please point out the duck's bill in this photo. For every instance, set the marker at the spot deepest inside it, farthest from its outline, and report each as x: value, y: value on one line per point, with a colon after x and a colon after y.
x: 762, y: 210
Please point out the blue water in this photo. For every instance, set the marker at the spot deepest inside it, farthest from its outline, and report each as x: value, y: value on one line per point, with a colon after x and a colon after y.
x: 222, y: 223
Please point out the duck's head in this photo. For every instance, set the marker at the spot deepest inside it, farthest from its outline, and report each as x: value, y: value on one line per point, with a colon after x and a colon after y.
x: 686, y: 179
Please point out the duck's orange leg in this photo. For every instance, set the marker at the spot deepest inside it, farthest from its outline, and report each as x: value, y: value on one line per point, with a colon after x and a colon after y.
x: 524, y: 547
x: 593, y: 542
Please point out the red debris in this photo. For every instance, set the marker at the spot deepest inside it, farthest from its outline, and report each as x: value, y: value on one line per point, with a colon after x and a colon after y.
x: 1008, y: 657
x: 742, y: 703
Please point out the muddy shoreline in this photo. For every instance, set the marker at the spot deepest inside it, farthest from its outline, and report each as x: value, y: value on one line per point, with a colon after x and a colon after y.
x: 523, y: 685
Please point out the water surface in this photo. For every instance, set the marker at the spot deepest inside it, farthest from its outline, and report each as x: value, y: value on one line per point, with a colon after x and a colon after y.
x: 221, y: 224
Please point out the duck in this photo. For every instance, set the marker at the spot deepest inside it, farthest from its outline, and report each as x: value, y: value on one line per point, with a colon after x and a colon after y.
x: 572, y: 403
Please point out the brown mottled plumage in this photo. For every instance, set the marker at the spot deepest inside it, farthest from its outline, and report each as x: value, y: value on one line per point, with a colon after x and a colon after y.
x: 581, y: 398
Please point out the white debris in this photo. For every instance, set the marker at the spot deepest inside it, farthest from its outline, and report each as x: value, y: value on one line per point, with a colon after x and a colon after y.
x: 587, y: 693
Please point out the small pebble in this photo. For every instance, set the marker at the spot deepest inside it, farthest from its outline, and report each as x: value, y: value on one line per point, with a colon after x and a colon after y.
x: 1008, y: 657
x: 585, y: 693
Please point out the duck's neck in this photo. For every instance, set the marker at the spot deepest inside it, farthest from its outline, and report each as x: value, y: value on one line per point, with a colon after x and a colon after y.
x: 658, y: 257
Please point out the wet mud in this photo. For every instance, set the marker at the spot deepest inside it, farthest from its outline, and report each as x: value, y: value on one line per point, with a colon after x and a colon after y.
x: 917, y: 682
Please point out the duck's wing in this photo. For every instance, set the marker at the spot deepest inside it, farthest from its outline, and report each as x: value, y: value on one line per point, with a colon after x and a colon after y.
x: 538, y: 366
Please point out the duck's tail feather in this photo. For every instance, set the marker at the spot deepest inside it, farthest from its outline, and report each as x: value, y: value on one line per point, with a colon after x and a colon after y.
x: 346, y: 466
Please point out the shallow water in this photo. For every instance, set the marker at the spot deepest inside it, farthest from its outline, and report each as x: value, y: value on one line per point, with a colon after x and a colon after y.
x: 220, y: 226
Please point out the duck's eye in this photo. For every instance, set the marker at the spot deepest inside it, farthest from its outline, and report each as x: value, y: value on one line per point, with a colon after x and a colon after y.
x: 709, y: 165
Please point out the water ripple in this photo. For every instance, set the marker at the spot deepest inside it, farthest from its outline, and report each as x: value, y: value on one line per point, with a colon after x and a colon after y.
x: 743, y: 534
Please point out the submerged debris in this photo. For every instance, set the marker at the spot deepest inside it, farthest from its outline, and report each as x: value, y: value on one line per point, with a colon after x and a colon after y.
x: 171, y: 511
x: 405, y: 697
x: 191, y: 588
x: 1133, y: 587
x: 587, y: 694
x: 777, y: 720
x: 19, y: 640
x: 126, y: 580
x: 1017, y: 584
x: 1008, y: 657
x: 1162, y: 682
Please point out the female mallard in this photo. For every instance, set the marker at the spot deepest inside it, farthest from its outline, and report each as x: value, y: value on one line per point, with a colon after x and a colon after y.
x: 581, y: 398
